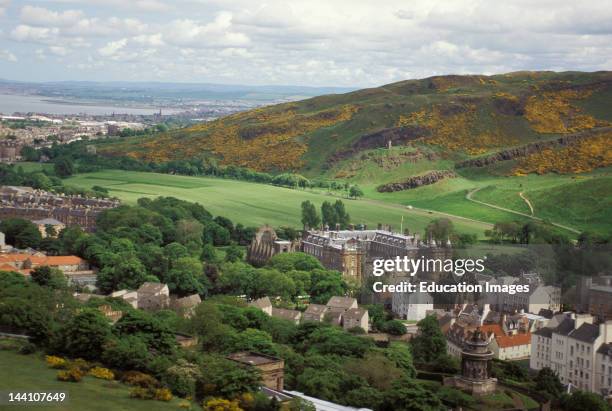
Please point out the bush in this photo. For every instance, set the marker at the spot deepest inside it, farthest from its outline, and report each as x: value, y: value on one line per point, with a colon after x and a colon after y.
x: 140, y: 379
x: 102, y: 373
x: 141, y: 393
x: 81, y: 365
x: 158, y: 394
x: 162, y: 394
x: 27, y: 348
x: 70, y: 375
x: 56, y: 362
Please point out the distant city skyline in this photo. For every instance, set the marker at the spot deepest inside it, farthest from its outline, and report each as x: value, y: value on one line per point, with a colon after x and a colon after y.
x: 355, y: 43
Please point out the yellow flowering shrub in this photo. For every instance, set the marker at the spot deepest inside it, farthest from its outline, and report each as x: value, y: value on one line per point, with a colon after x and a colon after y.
x: 55, y: 362
x: 102, y: 373
x: 221, y: 404
x: 579, y: 157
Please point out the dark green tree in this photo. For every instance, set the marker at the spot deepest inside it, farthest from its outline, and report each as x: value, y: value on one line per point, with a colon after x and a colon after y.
x: 429, y: 344
x: 234, y: 253
x: 85, y: 335
x: 310, y: 218
x: 63, y: 167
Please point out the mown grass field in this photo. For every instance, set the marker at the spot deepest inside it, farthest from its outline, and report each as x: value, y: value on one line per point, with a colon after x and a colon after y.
x: 256, y: 204
x: 30, y: 373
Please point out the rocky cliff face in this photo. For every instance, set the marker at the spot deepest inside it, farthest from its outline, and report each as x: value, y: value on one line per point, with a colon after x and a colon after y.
x: 416, y: 181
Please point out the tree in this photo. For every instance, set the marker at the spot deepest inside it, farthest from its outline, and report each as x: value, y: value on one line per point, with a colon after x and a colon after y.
x: 325, y: 285
x: 49, y: 277
x: 186, y: 277
x: 406, y: 395
x: 401, y: 355
x: 343, y: 218
x: 286, y: 262
x: 189, y: 232
x: 429, y: 344
x: 329, y: 216
x: 209, y: 254
x: 157, y: 336
x: 256, y: 341
x: 394, y: 327
x: 584, y: 401
x: 85, y: 335
x: 234, y: 253
x: 63, y: 167
x: 310, y: 218
x: 355, y: 192
x: 21, y: 233
x: 225, y: 378
x: 123, y: 271
x: 547, y: 382
x: 440, y: 230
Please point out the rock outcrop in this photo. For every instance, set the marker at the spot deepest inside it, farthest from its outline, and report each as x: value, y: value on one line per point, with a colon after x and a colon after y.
x: 416, y: 181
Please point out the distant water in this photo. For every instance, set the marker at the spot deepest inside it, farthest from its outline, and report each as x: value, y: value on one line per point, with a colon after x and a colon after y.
x: 12, y: 103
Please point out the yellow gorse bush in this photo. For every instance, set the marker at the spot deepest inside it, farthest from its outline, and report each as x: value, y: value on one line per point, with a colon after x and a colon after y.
x: 102, y: 373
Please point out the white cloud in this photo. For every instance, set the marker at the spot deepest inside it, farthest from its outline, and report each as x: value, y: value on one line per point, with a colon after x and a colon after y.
x: 112, y: 48
x: 154, y: 40
x: 343, y: 42
x: 39, y: 16
x: 218, y: 33
x: 34, y: 34
x: 8, y: 56
x: 3, y: 6
x: 59, y: 51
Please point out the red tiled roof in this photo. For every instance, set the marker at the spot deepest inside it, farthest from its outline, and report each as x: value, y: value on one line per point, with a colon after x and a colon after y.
x: 505, y: 341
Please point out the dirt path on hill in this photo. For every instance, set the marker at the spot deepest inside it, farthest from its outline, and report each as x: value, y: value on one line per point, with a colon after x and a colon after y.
x: 527, y: 201
x: 469, y: 195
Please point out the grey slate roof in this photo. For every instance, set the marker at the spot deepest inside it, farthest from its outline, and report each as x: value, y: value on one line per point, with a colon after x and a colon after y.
x: 586, y: 332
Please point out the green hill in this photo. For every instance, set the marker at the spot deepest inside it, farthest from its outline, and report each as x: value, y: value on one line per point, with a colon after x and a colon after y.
x: 535, y: 133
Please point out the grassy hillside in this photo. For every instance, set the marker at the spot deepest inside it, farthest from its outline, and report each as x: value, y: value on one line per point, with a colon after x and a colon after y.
x: 255, y: 204
x: 544, y: 136
x: 30, y: 373
x: 459, y: 116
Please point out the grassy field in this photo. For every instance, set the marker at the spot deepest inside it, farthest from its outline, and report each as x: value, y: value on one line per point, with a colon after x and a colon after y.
x: 30, y: 373
x: 255, y: 204
x: 582, y: 202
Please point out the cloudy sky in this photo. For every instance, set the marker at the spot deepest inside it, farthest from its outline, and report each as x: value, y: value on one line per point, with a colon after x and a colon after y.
x: 302, y: 42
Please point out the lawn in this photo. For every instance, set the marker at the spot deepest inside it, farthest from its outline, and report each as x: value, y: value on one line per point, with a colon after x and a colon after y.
x: 257, y: 204
x: 30, y: 373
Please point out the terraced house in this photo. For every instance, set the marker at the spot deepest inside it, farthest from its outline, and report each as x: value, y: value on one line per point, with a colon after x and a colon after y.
x: 576, y: 349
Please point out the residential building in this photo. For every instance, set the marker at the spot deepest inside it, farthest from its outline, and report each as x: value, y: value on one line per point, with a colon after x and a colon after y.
x: 34, y: 205
x: 153, y: 296
x: 575, y: 348
x: 315, y: 312
x: 356, y: 317
x: 49, y: 223
x: 411, y: 306
x: 264, y: 304
x: 595, y: 296
x: 270, y: 368
x: 76, y: 269
x: 289, y: 315
x: 343, y: 303
x: 540, y: 296
x: 130, y: 297
x: 185, y: 305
